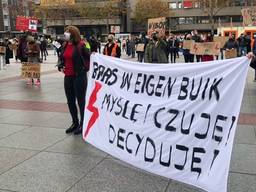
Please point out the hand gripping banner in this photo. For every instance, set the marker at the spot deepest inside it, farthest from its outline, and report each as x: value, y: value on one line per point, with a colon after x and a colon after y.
x: 176, y: 120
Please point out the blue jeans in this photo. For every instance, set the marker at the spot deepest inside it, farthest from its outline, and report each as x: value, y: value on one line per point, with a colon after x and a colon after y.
x: 242, y: 51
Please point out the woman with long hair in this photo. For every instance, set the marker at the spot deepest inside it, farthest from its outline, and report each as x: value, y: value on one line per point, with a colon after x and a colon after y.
x: 74, y: 63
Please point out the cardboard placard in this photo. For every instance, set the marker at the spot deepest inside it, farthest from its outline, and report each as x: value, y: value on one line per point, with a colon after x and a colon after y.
x: 2, y: 50
x: 157, y: 25
x: 207, y: 48
x: 30, y: 70
x: 220, y: 39
x: 247, y: 17
x: 140, y: 47
x: 230, y: 53
x: 187, y: 44
x: 13, y: 46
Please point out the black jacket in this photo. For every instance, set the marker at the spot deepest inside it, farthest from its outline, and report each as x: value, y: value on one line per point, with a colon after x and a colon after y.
x: 81, y: 59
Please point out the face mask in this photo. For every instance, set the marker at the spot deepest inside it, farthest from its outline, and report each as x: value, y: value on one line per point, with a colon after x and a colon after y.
x: 155, y: 38
x: 109, y: 40
x: 67, y: 36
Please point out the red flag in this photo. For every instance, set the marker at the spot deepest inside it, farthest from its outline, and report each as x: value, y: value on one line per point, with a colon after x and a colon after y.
x: 188, y: 4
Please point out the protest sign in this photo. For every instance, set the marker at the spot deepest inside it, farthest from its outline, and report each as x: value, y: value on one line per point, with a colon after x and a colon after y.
x: 188, y: 44
x: 140, y: 47
x: 207, y: 48
x: 157, y: 25
x: 30, y: 70
x: 177, y: 121
x: 221, y: 40
x: 247, y: 17
x: 2, y: 49
x: 230, y: 53
x: 26, y: 23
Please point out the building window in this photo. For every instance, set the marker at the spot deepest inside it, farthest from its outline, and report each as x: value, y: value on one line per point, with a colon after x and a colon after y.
x: 172, y: 5
x: 180, y: 5
x: 182, y: 20
x: 197, y: 4
x: 189, y: 20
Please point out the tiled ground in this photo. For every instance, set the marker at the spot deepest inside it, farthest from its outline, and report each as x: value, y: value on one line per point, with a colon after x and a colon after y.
x: 37, y: 156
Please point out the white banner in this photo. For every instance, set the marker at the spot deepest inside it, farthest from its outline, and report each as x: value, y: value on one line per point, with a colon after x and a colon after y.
x: 176, y: 120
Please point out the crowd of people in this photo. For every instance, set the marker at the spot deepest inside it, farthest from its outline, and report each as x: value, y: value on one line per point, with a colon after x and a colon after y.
x: 73, y: 52
x: 173, y: 45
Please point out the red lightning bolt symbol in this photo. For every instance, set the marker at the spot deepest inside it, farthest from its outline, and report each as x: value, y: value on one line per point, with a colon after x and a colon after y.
x: 93, y: 109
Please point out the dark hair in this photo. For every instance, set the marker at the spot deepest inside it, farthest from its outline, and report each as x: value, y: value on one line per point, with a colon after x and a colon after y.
x: 75, y: 34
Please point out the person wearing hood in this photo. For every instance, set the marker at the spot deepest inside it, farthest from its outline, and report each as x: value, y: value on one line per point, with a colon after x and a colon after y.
x: 112, y: 48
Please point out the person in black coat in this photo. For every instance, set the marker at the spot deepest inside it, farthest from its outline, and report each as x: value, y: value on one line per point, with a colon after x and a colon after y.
x: 9, y: 52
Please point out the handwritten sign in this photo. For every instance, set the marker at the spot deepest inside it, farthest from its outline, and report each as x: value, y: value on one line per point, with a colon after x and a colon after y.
x: 231, y: 53
x: 140, y: 47
x: 207, y: 48
x: 221, y: 40
x: 187, y: 44
x: 30, y: 70
x: 157, y: 25
x: 2, y: 49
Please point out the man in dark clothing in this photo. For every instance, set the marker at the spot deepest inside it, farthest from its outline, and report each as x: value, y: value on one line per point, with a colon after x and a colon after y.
x: 156, y: 50
x: 142, y: 40
x: 43, y: 47
x: 243, y: 44
x: 94, y: 44
x: 111, y: 48
x: 173, y: 46
x: 231, y: 43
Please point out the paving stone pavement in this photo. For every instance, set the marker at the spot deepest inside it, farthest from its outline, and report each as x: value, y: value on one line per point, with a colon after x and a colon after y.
x: 37, y: 156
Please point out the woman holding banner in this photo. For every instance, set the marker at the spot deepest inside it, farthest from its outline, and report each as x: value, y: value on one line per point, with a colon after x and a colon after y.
x: 74, y: 63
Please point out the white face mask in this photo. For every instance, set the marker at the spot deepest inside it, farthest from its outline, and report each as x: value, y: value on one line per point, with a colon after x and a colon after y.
x: 67, y: 36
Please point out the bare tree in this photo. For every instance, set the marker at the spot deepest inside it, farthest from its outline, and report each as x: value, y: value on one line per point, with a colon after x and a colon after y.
x: 146, y: 9
x: 106, y: 10
x: 212, y: 7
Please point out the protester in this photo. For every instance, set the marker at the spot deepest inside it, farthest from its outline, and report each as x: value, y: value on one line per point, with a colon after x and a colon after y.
x: 33, y: 53
x: 254, y: 52
x: 2, y: 54
x: 142, y: 40
x: 75, y: 59
x: 209, y: 38
x: 8, y: 52
x: 15, y: 44
x: 221, y: 51
x: 87, y: 44
x: 173, y: 45
x: 156, y: 50
x: 43, y: 48
x: 132, y: 47
x: 123, y: 45
x: 231, y: 43
x: 252, y: 56
x: 22, y: 47
x: 242, y: 44
x: 188, y: 57
x: 197, y: 38
x: 111, y: 48
x: 94, y: 44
